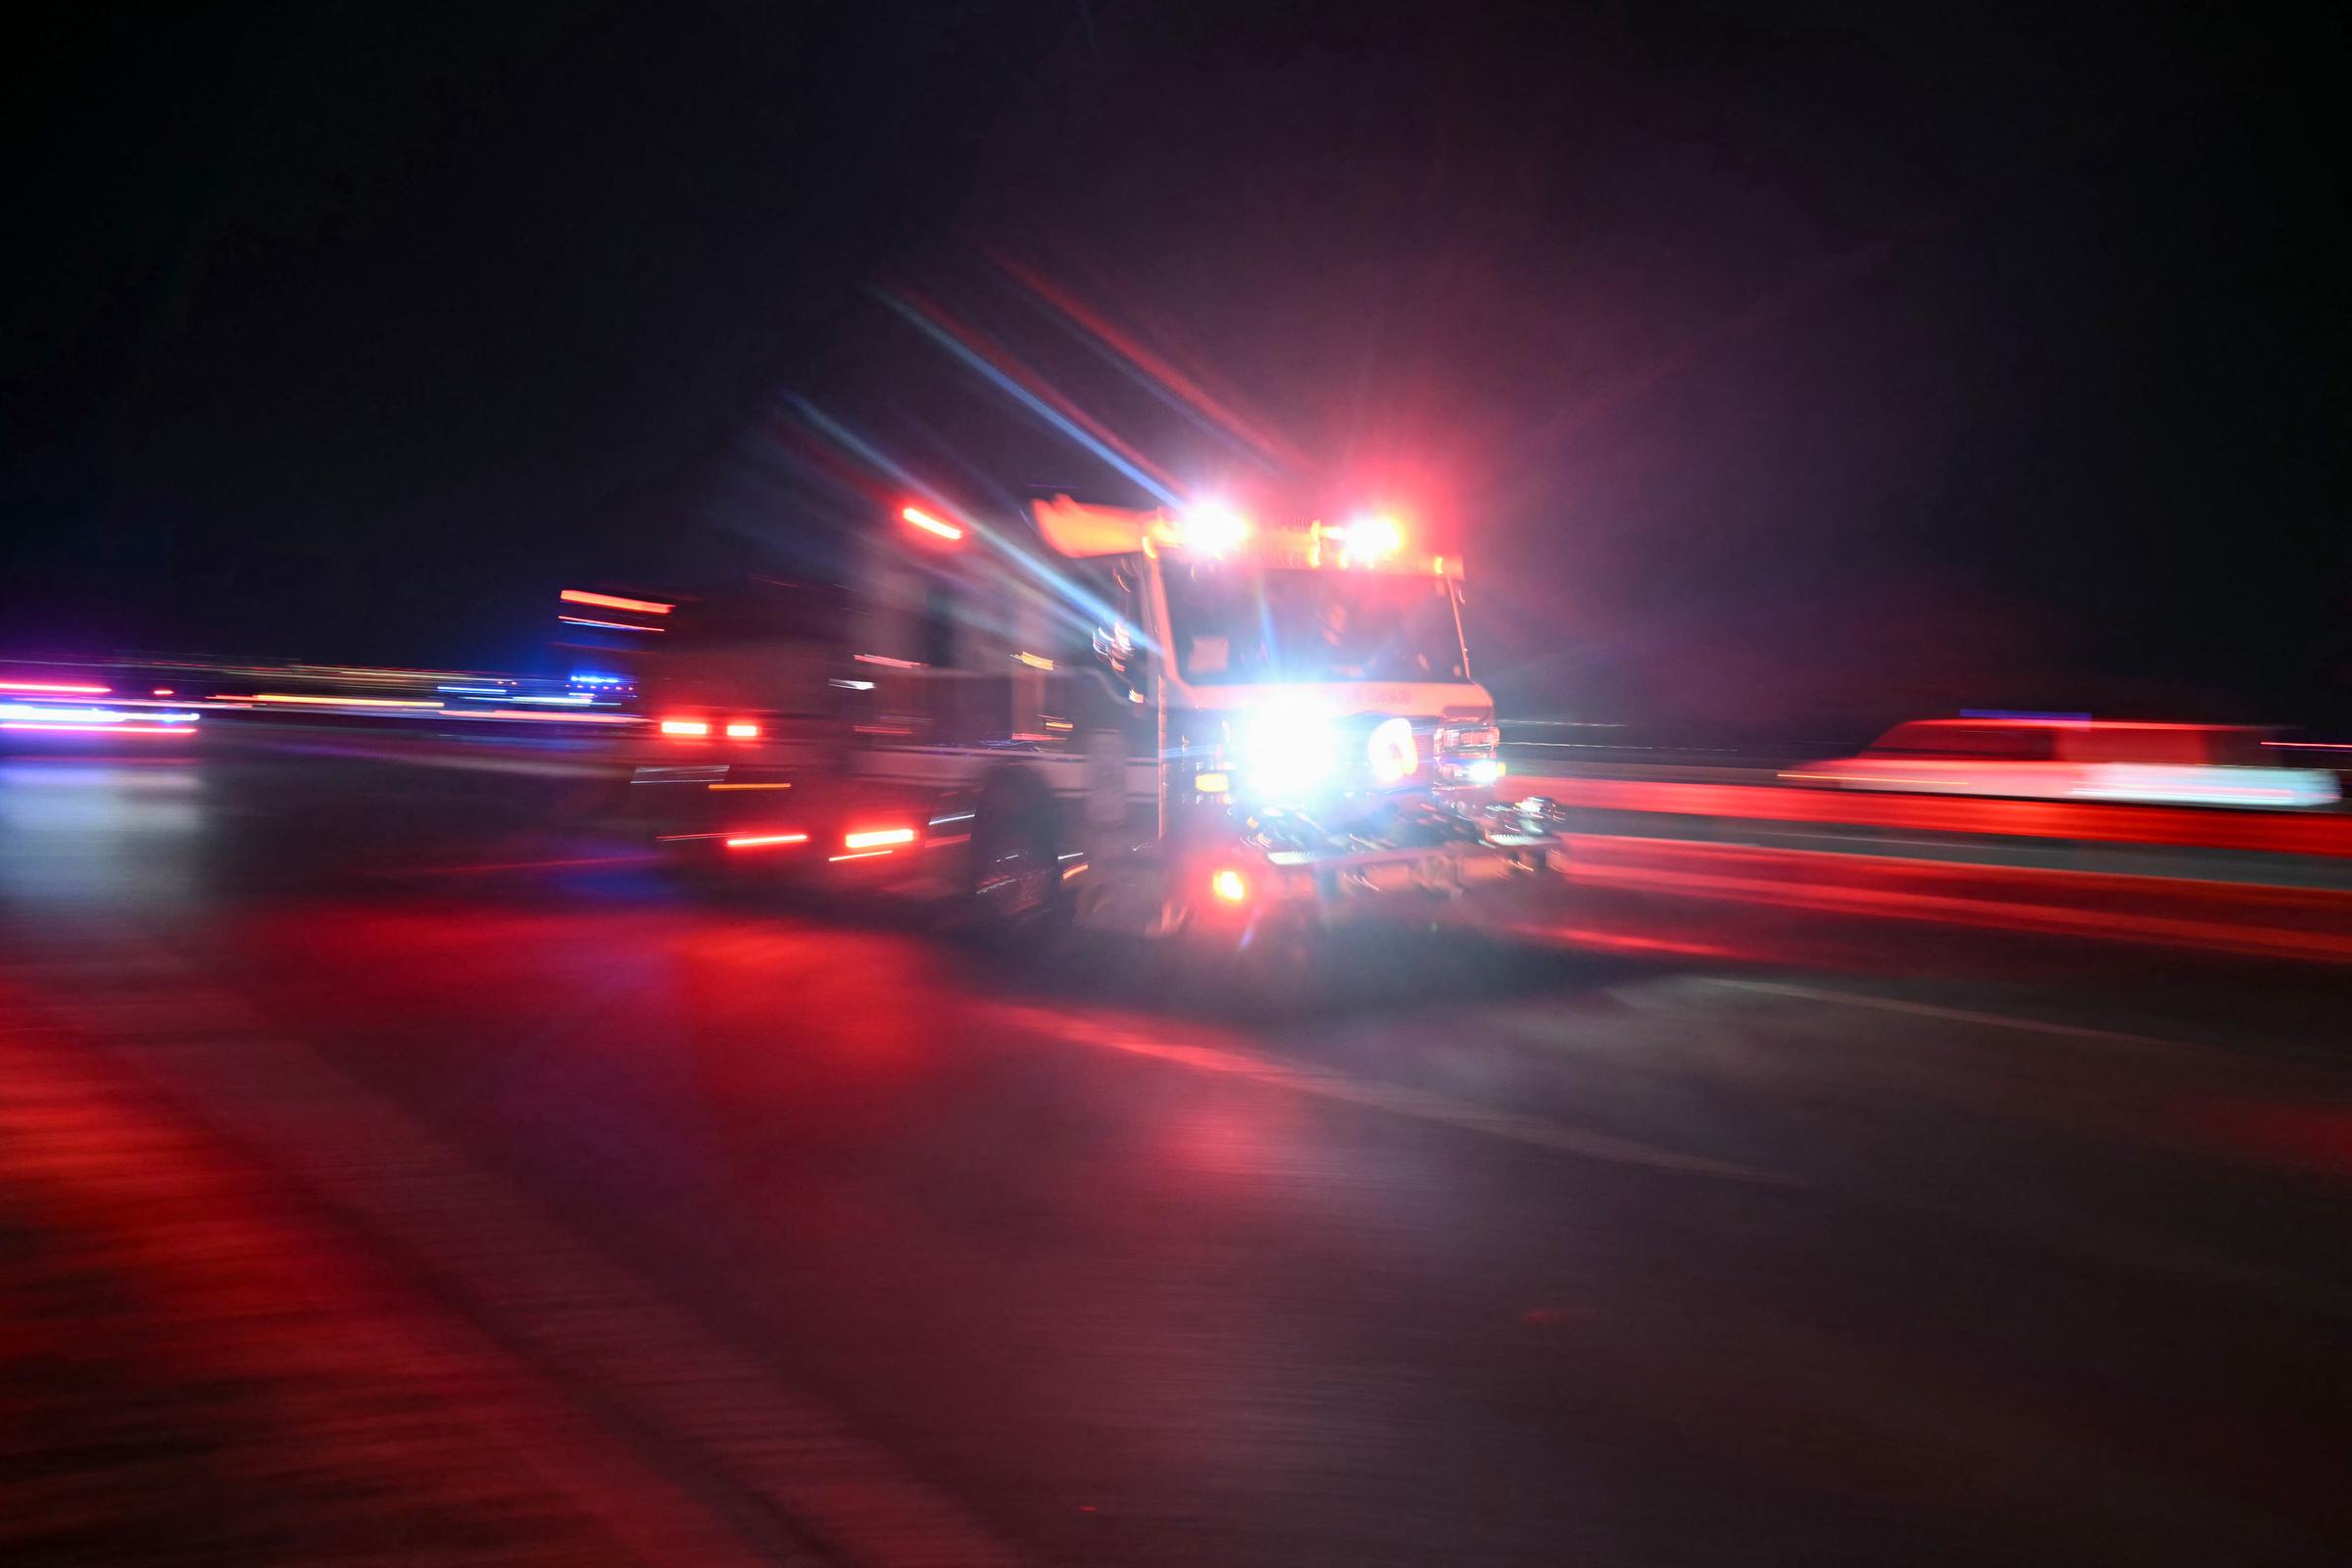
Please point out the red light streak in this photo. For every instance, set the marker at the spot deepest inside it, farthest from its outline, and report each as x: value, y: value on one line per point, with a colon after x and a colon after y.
x: 643, y: 606
x: 2314, y: 833
x: 53, y: 686
x: 743, y: 733
x: 888, y: 662
x: 869, y: 854
x: 510, y: 716
x: 929, y: 524
x: 101, y: 729
x: 871, y: 837
x: 760, y: 840
x: 339, y: 702
x: 684, y: 726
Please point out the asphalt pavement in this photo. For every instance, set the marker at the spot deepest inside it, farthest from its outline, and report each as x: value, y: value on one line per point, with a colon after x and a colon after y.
x: 1695, y: 1227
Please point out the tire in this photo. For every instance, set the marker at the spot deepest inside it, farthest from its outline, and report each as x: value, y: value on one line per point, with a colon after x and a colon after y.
x: 1014, y: 887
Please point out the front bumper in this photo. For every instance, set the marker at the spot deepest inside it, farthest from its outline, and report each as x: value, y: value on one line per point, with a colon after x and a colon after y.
x: 1294, y: 888
x: 1333, y: 883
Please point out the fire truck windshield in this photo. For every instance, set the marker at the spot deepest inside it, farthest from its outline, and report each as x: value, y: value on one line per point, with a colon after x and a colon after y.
x: 1237, y: 624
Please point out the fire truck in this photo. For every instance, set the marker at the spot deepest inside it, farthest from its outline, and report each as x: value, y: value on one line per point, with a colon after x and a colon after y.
x: 1154, y: 721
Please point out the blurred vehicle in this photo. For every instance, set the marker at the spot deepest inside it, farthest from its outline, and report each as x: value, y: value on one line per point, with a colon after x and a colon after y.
x: 2078, y: 760
x: 1152, y: 723
x: 70, y: 710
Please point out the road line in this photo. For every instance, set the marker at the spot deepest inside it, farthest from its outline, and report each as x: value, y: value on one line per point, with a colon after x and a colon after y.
x: 647, y: 859
x: 1324, y: 1083
x: 1998, y: 1020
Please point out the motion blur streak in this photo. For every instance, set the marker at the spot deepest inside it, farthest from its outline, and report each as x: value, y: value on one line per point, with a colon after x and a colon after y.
x: 518, y: 716
x: 643, y: 606
x: 2316, y: 834
x: 1152, y: 370
x: 868, y: 839
x: 34, y: 714
x: 1135, y: 1038
x: 2220, y: 917
x: 763, y: 840
x: 341, y: 702
x: 608, y: 625
x: 929, y: 524
x: 1050, y: 407
x: 98, y: 729
x: 61, y: 688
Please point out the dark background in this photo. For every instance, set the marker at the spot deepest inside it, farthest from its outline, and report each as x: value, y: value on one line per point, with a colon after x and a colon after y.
x: 1809, y: 363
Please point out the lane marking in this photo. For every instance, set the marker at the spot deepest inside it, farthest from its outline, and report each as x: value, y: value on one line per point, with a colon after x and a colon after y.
x: 646, y: 858
x: 1421, y: 1105
x: 1998, y: 1020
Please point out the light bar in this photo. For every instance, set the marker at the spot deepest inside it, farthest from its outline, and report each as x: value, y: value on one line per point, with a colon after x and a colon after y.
x: 685, y: 726
x: 875, y: 838
x: 1214, y: 526
x: 743, y: 733
x: 642, y: 607
x: 61, y: 688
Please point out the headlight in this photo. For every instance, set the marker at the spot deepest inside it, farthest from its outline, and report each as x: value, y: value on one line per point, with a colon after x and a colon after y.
x: 1392, y: 753
x: 1288, y: 752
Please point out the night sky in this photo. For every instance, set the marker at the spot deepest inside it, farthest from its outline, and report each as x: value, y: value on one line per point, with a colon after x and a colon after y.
x: 1803, y: 364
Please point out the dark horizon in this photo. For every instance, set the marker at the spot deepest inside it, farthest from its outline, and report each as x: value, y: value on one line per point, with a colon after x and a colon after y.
x: 1787, y: 364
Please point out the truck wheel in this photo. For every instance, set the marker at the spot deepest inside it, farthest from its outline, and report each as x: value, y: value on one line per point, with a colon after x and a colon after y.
x: 1016, y: 869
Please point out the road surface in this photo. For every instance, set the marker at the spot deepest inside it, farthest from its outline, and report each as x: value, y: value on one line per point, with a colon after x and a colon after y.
x: 1703, y: 1228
